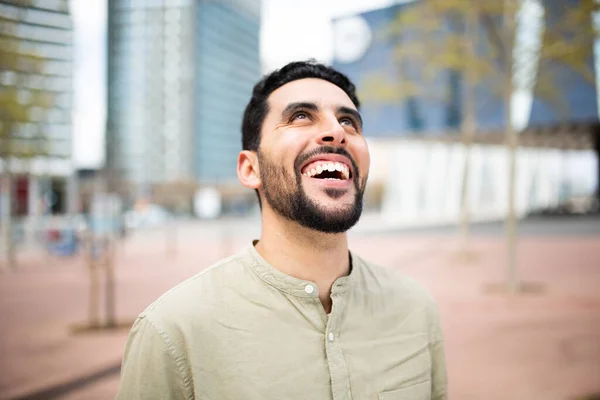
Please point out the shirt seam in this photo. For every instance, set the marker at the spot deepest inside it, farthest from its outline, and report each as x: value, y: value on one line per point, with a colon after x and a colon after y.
x: 436, y: 329
x: 177, y: 359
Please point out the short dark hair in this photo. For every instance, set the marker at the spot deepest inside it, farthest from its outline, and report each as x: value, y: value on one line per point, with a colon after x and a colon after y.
x: 257, y: 109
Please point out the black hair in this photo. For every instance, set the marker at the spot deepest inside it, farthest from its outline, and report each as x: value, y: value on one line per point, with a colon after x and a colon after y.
x: 257, y: 109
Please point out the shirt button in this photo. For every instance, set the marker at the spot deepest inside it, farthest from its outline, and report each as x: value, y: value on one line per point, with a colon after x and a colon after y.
x: 309, y: 289
x: 330, y: 336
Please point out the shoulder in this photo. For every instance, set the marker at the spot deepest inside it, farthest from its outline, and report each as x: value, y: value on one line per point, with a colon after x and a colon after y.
x: 198, y: 295
x: 391, y: 283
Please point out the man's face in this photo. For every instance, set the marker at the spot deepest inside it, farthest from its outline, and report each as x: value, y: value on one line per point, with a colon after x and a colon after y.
x: 313, y: 158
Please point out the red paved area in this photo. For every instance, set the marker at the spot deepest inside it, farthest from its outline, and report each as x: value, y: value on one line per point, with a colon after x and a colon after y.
x: 542, y: 345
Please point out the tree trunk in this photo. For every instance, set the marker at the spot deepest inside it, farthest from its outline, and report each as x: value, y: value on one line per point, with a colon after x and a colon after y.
x: 171, y: 236
x: 468, y: 125
x: 596, y: 133
x: 8, y: 245
x: 109, y: 265
x: 94, y: 293
x: 512, y: 144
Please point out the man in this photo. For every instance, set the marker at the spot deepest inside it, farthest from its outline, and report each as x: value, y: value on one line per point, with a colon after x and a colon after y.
x: 295, y: 315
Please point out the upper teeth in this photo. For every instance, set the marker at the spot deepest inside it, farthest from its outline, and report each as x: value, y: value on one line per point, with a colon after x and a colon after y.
x: 329, y: 166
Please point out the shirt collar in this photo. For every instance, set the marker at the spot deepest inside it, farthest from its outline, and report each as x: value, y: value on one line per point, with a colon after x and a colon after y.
x: 291, y: 285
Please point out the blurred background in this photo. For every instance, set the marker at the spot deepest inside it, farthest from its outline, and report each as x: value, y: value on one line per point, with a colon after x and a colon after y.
x: 119, y: 135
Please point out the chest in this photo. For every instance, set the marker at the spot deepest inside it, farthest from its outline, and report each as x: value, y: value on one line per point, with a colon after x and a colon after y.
x: 300, y: 353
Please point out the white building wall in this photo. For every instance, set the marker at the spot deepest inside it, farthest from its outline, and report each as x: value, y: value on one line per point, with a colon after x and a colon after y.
x: 423, y: 180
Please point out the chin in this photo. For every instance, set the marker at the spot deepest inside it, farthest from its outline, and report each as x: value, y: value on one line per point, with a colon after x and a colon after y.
x: 326, y: 203
x: 333, y: 207
x: 331, y: 196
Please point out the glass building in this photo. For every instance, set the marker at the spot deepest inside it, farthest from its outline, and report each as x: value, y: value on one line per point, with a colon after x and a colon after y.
x: 179, y: 74
x: 369, y: 55
x: 36, y: 89
x: 227, y: 66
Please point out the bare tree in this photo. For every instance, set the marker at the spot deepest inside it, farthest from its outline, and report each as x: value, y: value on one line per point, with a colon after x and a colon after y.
x: 481, y: 41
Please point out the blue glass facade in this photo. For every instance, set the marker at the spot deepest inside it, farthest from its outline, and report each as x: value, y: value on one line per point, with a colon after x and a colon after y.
x: 435, y: 107
x: 579, y: 100
x: 180, y: 73
x: 227, y: 66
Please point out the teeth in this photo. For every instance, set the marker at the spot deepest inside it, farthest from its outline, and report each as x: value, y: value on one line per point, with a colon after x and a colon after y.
x: 331, y: 167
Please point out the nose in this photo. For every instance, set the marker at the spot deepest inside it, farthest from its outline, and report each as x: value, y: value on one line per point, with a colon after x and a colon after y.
x: 333, y: 134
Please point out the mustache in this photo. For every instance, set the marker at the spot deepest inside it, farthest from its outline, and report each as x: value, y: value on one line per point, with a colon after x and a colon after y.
x: 302, y: 158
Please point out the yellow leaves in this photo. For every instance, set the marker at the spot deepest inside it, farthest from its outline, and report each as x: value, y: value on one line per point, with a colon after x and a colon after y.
x: 23, y: 148
x: 15, y: 110
x: 14, y: 58
x: 22, y: 108
x: 12, y: 109
x: 476, y: 38
x: 376, y: 88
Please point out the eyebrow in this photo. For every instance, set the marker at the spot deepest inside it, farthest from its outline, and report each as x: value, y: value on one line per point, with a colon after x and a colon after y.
x: 293, y: 107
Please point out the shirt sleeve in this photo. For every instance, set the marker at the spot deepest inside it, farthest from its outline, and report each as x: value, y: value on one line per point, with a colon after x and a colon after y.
x: 151, y: 368
x: 438, y: 358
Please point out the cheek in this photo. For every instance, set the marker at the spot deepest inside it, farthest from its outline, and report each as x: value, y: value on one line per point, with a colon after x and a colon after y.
x: 287, y: 149
x: 281, y: 157
x: 363, y: 158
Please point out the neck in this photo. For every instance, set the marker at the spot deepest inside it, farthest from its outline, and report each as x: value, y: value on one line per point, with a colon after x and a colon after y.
x: 304, y: 253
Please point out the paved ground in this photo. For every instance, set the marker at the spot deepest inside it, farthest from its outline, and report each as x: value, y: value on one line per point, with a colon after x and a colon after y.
x: 544, y: 344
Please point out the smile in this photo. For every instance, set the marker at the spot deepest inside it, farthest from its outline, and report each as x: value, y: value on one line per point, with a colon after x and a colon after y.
x: 322, y: 169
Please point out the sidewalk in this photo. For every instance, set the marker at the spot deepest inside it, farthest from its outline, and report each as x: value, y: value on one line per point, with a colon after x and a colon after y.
x: 542, y: 345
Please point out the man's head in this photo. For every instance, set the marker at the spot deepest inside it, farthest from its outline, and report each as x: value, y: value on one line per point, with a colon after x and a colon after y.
x: 303, y: 149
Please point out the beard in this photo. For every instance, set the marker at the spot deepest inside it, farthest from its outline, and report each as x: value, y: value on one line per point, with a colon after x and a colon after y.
x: 286, y: 195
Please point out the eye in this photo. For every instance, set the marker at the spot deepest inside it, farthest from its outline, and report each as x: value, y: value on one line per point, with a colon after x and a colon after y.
x: 300, y: 115
x: 347, y: 122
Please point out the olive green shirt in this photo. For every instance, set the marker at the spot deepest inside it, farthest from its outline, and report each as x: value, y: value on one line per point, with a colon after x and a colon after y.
x: 244, y: 330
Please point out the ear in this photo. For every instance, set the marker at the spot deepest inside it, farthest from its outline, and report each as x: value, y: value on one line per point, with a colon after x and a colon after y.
x: 247, y: 169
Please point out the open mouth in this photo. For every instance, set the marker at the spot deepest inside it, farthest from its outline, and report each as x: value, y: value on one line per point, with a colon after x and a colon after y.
x: 327, y: 170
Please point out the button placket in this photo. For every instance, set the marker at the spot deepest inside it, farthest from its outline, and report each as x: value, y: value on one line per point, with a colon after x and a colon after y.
x: 310, y: 289
x: 340, y: 384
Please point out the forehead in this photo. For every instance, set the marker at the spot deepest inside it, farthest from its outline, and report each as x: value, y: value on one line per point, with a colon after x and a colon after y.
x: 311, y: 90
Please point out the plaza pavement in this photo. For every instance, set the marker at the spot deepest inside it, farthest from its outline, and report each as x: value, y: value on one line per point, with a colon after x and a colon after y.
x: 541, y: 344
